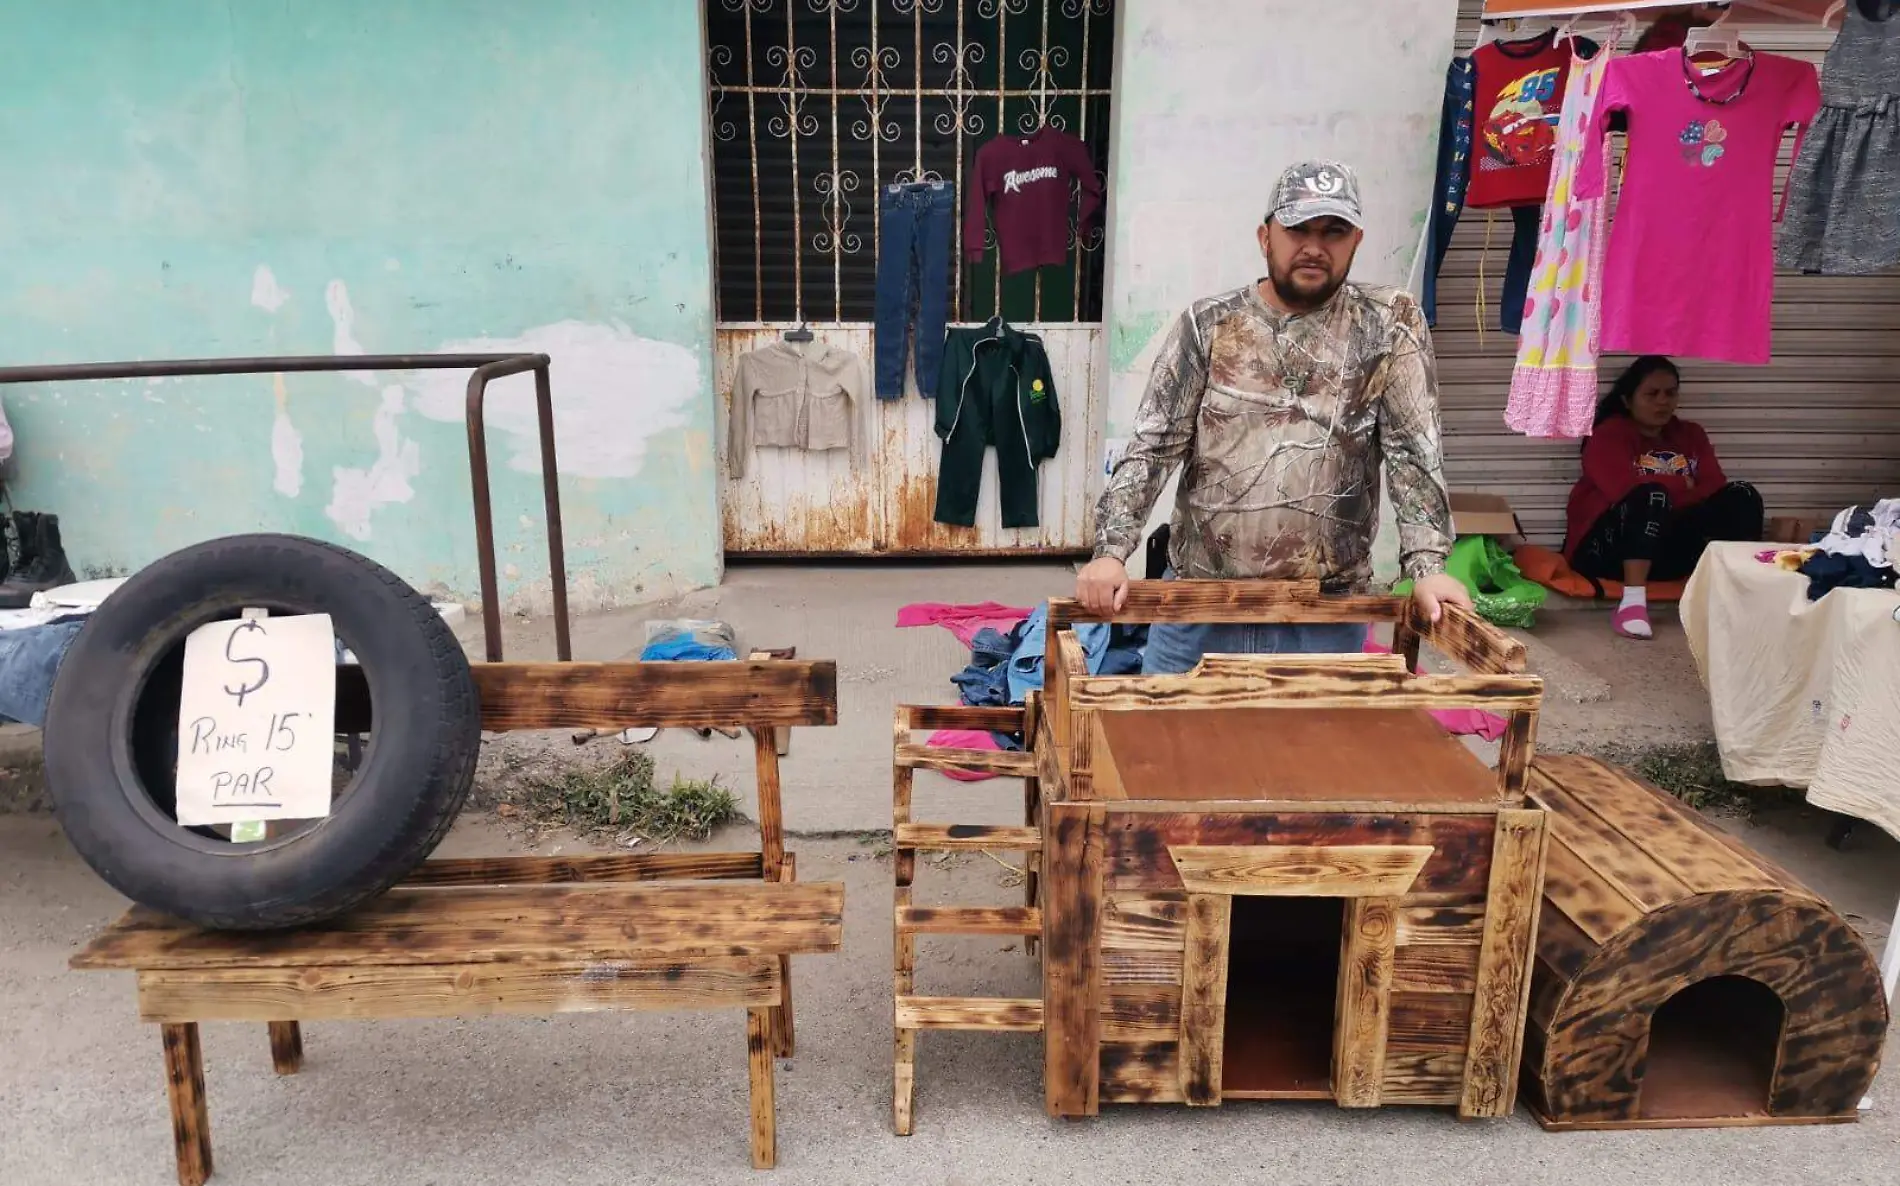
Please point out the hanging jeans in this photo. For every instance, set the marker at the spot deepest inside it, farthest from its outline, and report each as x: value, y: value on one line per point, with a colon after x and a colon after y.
x: 913, y: 282
x: 1454, y: 170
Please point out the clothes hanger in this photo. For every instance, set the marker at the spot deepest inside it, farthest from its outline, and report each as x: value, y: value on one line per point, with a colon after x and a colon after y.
x: 1721, y: 37
x: 801, y: 334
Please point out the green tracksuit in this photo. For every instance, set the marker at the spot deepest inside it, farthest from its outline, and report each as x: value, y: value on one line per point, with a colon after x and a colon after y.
x: 994, y: 389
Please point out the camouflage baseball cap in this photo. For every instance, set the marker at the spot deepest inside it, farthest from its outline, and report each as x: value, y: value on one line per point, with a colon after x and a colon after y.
x: 1316, y: 189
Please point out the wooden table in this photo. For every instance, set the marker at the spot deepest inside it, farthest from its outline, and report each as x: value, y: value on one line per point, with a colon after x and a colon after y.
x: 529, y: 935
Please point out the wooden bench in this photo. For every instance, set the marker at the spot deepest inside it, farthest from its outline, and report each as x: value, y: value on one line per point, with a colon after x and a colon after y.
x: 527, y: 935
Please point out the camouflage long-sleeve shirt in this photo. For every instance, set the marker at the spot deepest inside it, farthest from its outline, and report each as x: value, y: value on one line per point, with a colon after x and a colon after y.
x: 1281, y: 421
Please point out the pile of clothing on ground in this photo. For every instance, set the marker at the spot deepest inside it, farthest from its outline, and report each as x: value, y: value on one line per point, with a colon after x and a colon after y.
x: 1859, y: 551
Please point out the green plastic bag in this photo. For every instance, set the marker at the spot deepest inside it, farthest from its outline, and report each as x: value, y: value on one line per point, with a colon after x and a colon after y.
x: 1500, y: 593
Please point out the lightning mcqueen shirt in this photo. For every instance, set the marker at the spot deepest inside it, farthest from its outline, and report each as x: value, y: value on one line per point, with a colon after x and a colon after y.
x: 1023, y: 183
x: 1519, y: 95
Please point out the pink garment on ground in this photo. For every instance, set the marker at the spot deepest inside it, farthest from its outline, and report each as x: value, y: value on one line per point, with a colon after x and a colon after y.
x: 1487, y: 725
x: 1691, y: 261
x: 1554, y: 383
x: 964, y: 739
x: 962, y: 620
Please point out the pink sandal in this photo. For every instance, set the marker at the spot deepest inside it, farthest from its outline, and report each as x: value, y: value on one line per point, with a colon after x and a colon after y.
x: 1628, y: 616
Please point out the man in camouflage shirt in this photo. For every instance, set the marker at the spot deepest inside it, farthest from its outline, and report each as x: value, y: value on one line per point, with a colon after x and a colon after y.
x: 1281, y: 400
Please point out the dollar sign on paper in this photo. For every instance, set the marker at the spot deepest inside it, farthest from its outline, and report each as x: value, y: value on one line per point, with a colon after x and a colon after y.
x: 263, y: 668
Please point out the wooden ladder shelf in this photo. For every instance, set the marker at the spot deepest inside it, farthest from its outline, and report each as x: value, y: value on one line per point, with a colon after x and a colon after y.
x: 912, y: 1013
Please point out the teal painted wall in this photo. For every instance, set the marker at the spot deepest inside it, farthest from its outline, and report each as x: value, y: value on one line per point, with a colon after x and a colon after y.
x: 226, y: 177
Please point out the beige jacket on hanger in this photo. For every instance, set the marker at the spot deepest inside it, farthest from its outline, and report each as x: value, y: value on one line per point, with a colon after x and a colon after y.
x: 795, y: 395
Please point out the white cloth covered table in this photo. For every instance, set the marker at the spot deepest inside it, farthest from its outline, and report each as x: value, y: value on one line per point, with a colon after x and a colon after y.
x: 1804, y: 693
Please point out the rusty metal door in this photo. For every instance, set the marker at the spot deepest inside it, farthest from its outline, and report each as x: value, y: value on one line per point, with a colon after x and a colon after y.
x: 812, y: 107
x: 881, y: 500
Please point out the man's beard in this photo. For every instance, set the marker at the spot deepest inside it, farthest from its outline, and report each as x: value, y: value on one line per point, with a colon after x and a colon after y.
x: 1298, y: 295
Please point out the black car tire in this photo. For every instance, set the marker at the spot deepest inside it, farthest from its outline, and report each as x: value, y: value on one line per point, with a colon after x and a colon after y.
x: 111, y: 734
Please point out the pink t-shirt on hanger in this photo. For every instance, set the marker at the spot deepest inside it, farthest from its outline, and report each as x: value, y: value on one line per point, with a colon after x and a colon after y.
x: 1690, y: 270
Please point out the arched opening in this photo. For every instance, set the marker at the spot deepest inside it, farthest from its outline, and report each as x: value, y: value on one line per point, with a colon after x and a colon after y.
x: 1712, y: 1051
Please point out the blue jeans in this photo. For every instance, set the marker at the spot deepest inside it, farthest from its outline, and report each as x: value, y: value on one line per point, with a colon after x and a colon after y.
x: 1448, y: 200
x: 1175, y: 647
x: 913, y: 268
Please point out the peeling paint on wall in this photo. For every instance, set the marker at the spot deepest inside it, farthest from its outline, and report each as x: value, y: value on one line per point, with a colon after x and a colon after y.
x: 286, y: 445
x: 358, y: 492
x: 265, y: 293
x: 336, y: 298
x: 614, y: 392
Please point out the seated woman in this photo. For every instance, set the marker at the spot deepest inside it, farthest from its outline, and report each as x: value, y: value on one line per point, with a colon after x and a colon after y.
x: 1652, y: 494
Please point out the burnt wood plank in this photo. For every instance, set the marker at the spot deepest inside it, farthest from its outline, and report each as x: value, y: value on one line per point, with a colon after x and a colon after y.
x: 650, y: 866
x: 1504, y: 965
x: 555, y: 923
x: 969, y: 920
x: 1231, y: 601
x: 1327, y: 687
x: 1468, y: 640
x: 1300, y: 870
x: 961, y: 716
x: 1072, y: 925
x: 1429, y: 1022
x: 992, y: 1014
x: 615, y: 696
x: 1141, y: 1072
x: 286, y: 1047
x: 966, y: 837
x: 1204, y: 997
x: 1616, y: 858
x: 1423, y: 1078
x: 1007, y: 763
x: 455, y: 990
x: 1145, y: 922
x: 185, y: 1089
x: 1674, y: 836
x: 1436, y: 967
x: 1459, y: 921
x: 1141, y: 1013
x: 1362, y: 1019
x: 1138, y: 842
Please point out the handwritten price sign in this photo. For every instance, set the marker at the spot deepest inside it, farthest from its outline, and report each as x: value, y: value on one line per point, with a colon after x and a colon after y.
x: 257, y: 721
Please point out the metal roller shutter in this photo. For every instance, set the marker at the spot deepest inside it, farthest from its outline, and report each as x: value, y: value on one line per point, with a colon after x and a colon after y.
x: 1816, y: 429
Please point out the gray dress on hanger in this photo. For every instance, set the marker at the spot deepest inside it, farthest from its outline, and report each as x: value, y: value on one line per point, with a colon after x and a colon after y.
x: 1843, y: 203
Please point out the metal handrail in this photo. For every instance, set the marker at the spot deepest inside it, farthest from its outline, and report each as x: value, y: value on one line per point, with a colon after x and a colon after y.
x: 485, y: 368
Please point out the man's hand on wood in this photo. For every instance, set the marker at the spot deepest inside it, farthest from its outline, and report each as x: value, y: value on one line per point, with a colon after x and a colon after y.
x: 1432, y: 592
x: 1102, y: 585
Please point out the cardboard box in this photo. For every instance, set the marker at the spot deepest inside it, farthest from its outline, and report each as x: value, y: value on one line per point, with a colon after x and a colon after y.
x: 1482, y: 514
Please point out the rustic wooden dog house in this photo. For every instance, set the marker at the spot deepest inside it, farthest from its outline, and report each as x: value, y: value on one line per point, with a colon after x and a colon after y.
x: 1682, y: 979
x: 1275, y: 877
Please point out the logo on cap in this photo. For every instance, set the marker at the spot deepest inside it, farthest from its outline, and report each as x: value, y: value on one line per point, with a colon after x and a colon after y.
x: 1326, y: 182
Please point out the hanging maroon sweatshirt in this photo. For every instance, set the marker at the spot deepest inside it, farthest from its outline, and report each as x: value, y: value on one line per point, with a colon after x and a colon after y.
x: 1618, y: 458
x: 1023, y: 182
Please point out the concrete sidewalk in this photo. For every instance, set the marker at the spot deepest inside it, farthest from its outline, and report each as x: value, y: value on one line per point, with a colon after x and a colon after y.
x: 621, y: 1100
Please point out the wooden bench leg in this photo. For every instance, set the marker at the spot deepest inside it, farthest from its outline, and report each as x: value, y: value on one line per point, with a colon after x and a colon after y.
x: 904, y: 1080
x: 286, y: 1047
x: 758, y: 1040
x: 185, y: 1085
x: 783, y: 1042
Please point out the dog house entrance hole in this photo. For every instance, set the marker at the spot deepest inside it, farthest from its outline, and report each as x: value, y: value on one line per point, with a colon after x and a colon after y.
x: 1712, y: 1051
x: 1282, y: 996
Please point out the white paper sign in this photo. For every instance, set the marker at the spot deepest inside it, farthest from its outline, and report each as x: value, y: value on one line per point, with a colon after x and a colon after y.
x: 257, y: 721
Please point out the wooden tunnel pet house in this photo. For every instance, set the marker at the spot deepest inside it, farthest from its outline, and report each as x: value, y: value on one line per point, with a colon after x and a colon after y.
x: 1681, y: 979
